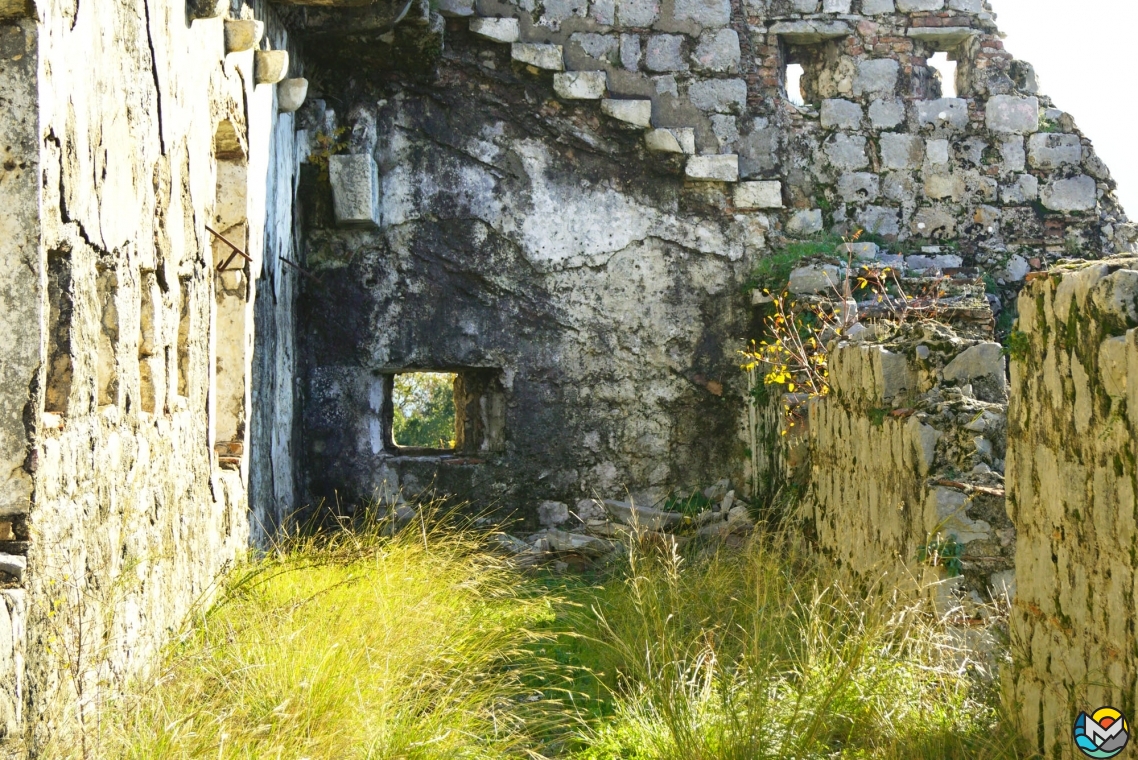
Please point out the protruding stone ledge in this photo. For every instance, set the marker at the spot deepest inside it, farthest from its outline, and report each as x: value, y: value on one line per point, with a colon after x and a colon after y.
x: 197, y: 9
x: 722, y: 167
x: 580, y: 85
x: 496, y: 29
x: 291, y: 94
x: 635, y: 112
x: 811, y: 32
x: 942, y: 36
x: 548, y: 57
x: 270, y: 66
x: 671, y: 140
x: 242, y: 34
x: 456, y: 8
x: 355, y: 190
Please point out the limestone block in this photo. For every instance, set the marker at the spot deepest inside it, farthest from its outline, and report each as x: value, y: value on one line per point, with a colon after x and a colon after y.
x: 726, y: 129
x: 1016, y: 269
x: 552, y: 513
x: 589, y: 546
x: 911, y: 6
x: 13, y: 565
x: 919, y: 262
x: 859, y: 251
x: 941, y: 36
x: 1024, y: 190
x: 805, y: 6
x: 940, y: 186
x: 876, y: 76
x: 880, y: 220
x: 886, y: 114
x: 1112, y: 366
x: 841, y: 114
x: 723, y: 167
x: 858, y: 187
x: 665, y: 52
x: 196, y: 9
x: 270, y: 66
x: 603, y: 12
x: 455, y: 8
x: 671, y: 140
x: 943, y: 112
x: 580, y: 85
x: 1051, y: 151
x: 1079, y: 193
x: 937, y: 151
x: 496, y: 29
x: 934, y: 223
x: 948, y: 507
x: 706, y: 13
x: 760, y: 194
x: 1013, y: 155
x: 647, y: 518
x: 719, y: 95
x: 758, y: 152
x: 600, y: 47
x: 242, y: 34
x: 805, y: 223
x: 815, y: 278
x: 836, y: 6
x: 548, y: 57
x: 900, y: 151
x: 846, y: 151
x: 640, y: 13
x: 718, y: 51
x: 984, y: 360
x: 630, y: 51
x: 811, y: 32
x: 291, y: 94
x: 967, y: 6
x: 355, y: 190
x: 1116, y: 295
x: 877, y: 7
x: 1008, y: 113
x: 924, y: 438
x: 635, y: 112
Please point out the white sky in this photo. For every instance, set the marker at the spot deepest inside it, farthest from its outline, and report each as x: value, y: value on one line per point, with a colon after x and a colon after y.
x: 1083, y: 54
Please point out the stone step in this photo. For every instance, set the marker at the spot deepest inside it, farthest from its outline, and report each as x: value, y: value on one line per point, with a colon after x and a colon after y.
x: 671, y: 140
x: 635, y: 112
x: 496, y: 29
x: 548, y: 57
x: 719, y: 167
x: 580, y: 85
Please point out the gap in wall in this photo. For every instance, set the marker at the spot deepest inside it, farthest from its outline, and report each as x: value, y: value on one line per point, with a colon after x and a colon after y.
x: 947, y: 71
x: 794, y: 74
x: 106, y: 372
x: 423, y: 410
x: 57, y: 392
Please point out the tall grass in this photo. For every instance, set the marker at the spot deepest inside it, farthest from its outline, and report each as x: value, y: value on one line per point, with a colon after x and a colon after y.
x: 428, y: 645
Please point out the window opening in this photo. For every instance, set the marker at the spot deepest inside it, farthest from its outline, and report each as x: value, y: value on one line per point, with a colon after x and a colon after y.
x: 59, y: 371
x: 794, y: 74
x: 184, y: 341
x: 423, y: 410
x: 946, y: 70
x: 106, y: 373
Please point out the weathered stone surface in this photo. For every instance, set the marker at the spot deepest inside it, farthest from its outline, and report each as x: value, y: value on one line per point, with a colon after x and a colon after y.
x: 941, y: 36
x: 810, y: 32
x: 718, y: 52
x: 877, y: 7
x: 1079, y: 193
x: 665, y: 52
x: 455, y: 8
x: 858, y: 186
x: 291, y: 94
x: 552, y: 513
x: 886, y: 114
x: 243, y: 34
x: 1007, y: 113
x: 589, y: 546
x: 901, y: 151
x: 920, y: 262
x: 911, y: 6
x: 580, y: 85
x: 859, y: 251
x: 630, y: 51
x: 706, y: 13
x: 496, y: 29
x: 945, y: 112
x: 270, y: 66
x: 671, y: 140
x: 635, y: 112
x: 719, y: 95
x: 876, y: 77
x: 1051, y: 151
x: 637, y: 13
x: 941, y: 186
x: 847, y: 151
x: 13, y: 566
x: 805, y: 223
x: 934, y: 223
x: 841, y: 114
x: 758, y: 195
x: 548, y: 57
x: 195, y: 9
x: 979, y: 361
x: 355, y: 189
x: 937, y: 152
x: 645, y: 518
x: 816, y: 278
x: 722, y: 167
x: 1024, y: 190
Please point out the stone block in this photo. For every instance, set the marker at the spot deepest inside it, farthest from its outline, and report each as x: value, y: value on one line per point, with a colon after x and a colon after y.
x: 877, y: 7
x: 924, y: 262
x: 876, y: 76
x: 270, y: 66
x: 901, y: 151
x: 242, y: 34
x: 858, y: 187
x: 195, y: 9
x: 576, y: 543
x: 580, y: 85
x: 355, y: 190
x: 630, y: 51
x: 880, y: 220
x: 706, y: 13
x: 598, y: 47
x: 721, y: 167
x: 859, y: 251
x: 665, y: 52
x: 671, y: 140
x: 937, y: 151
x: 1024, y: 190
x: 836, y: 6
x: 552, y: 513
x: 1051, y: 151
x: 1079, y: 193
x: 496, y: 29
x: 1112, y: 366
x: 1013, y: 155
x: 1016, y: 269
x: 933, y: 223
x: 291, y: 94
x: 811, y: 32
x: 948, y: 511
x: 805, y: 223
x: 804, y: 6
x: 455, y: 8
x: 548, y: 57
x: 1008, y: 113
x: 718, y: 52
x: 557, y: 11
x: 639, y: 13
x: 815, y: 278
x: 886, y: 114
x: 647, y: 518
x: 603, y: 12
x: 635, y: 112
x: 1116, y: 295
x: 984, y: 360
x: 760, y: 194
x: 14, y: 566
x: 943, y: 112
x: 759, y: 152
x: 966, y: 6
x: 841, y: 114
x: 719, y: 95
x: 912, y: 6
x: 944, y: 37
x: 939, y: 186
x: 846, y: 151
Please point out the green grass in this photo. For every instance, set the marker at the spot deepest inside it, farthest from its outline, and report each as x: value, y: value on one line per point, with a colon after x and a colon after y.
x: 429, y: 645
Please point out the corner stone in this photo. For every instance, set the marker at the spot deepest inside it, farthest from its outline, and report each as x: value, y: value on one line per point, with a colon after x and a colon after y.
x: 1007, y: 113
x: 635, y: 112
x: 547, y: 57
x: 580, y: 85
x: 714, y: 168
x: 1078, y: 193
x: 496, y: 29
x: 355, y: 190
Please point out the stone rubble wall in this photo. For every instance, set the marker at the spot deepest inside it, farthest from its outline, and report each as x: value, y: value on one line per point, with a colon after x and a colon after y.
x: 119, y: 511
x: 906, y: 455
x: 1073, y: 493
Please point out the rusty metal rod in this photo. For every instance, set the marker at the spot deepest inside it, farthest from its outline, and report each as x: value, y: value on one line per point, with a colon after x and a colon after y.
x: 236, y: 251
x: 302, y: 270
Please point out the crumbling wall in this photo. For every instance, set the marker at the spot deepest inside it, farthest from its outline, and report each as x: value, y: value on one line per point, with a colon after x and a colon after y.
x: 1072, y: 485
x: 118, y: 511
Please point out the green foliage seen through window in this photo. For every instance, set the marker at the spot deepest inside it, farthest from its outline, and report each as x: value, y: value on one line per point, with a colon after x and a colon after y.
x: 423, y: 410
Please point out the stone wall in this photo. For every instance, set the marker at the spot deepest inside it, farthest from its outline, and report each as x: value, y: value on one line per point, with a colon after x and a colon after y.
x: 127, y: 129
x: 1072, y: 485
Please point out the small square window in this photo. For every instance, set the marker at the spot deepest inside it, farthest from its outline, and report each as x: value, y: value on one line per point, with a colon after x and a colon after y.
x: 423, y: 411
x: 794, y: 73
x: 946, y: 69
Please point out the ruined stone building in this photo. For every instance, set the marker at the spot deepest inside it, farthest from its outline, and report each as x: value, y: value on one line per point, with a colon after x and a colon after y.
x: 227, y: 224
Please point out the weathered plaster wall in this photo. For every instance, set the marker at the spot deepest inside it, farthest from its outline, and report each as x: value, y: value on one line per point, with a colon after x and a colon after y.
x: 119, y: 504
x: 1072, y: 486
